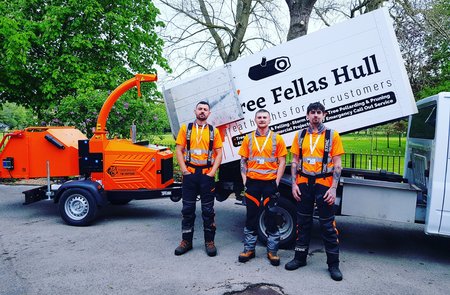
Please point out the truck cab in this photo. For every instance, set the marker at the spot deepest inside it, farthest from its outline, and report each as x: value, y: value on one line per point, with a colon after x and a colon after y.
x: 427, y: 161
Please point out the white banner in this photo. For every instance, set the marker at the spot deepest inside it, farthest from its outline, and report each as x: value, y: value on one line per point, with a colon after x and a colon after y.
x: 354, y: 68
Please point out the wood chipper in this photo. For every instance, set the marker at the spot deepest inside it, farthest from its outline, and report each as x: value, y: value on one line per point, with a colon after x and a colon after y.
x: 110, y: 170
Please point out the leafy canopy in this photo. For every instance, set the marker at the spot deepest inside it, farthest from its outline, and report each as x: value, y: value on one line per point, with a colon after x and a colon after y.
x: 59, y: 50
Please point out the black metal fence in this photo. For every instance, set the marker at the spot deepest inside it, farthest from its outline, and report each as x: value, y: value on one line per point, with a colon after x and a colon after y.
x: 391, y: 162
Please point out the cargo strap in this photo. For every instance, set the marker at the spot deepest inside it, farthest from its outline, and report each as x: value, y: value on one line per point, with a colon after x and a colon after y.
x: 188, y: 147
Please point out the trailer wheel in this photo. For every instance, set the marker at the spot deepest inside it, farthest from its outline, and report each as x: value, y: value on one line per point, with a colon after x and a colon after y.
x: 78, y: 207
x: 286, y: 221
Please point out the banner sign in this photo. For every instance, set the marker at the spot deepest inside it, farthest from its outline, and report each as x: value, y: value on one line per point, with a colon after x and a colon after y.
x: 354, y: 69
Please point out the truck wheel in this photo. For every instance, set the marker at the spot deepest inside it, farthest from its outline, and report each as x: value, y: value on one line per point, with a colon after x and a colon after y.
x: 286, y: 221
x: 77, y: 207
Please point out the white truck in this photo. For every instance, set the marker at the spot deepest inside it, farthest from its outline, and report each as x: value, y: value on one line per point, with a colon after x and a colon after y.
x: 421, y: 195
x: 355, y: 69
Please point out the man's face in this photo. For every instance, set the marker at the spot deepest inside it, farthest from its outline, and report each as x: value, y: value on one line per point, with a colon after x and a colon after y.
x: 262, y: 119
x: 202, y: 112
x: 315, y: 117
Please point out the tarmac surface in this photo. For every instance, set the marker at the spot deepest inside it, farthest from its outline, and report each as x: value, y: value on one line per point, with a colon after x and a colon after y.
x: 129, y: 250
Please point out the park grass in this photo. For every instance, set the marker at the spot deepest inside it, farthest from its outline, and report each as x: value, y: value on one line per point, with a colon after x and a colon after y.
x: 374, y: 143
x: 374, y: 151
x: 353, y: 142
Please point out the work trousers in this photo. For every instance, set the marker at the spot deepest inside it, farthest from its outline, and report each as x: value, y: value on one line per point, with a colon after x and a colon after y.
x: 313, y: 194
x: 193, y: 185
x: 261, y: 195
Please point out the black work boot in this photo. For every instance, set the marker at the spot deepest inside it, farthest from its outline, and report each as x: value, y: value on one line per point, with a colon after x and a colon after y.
x: 210, y: 248
x: 335, y: 272
x: 298, y: 261
x: 184, y: 246
x: 333, y: 266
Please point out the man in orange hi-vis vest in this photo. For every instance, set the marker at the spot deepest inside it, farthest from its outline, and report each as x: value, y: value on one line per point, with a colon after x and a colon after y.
x: 316, y: 169
x: 199, y: 153
x: 263, y: 159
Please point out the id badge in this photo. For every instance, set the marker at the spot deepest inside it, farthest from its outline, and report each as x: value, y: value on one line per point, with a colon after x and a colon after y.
x: 197, y: 152
x: 312, y: 161
x: 260, y: 161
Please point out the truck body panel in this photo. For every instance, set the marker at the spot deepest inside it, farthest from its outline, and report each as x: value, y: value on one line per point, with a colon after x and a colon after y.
x: 428, y: 152
x: 379, y: 199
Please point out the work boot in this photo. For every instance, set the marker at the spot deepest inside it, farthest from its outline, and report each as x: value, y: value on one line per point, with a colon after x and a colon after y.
x: 246, y: 255
x: 273, y: 258
x: 210, y: 248
x: 335, y: 273
x: 184, y: 246
x: 298, y: 261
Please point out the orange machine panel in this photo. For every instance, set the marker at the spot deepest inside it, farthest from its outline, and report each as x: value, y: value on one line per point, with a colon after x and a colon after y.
x: 128, y: 166
x: 26, y: 152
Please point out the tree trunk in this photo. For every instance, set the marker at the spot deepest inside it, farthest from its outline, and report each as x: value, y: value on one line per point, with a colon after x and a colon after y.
x: 300, y: 12
x: 243, y: 15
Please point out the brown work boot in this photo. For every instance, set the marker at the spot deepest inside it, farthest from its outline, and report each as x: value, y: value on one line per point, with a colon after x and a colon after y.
x: 183, y: 247
x: 273, y: 258
x: 210, y: 248
x: 246, y: 255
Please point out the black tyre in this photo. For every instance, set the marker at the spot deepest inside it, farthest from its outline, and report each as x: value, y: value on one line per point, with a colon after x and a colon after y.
x: 286, y: 221
x: 78, y: 207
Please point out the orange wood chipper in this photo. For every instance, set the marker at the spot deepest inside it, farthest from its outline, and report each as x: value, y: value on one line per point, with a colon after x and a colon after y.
x: 109, y: 170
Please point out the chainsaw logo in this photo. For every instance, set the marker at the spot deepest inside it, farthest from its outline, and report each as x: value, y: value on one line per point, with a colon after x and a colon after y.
x: 112, y: 170
x: 269, y: 68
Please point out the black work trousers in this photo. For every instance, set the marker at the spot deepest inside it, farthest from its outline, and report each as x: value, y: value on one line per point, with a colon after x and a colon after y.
x: 313, y: 194
x: 193, y: 185
x: 260, y: 195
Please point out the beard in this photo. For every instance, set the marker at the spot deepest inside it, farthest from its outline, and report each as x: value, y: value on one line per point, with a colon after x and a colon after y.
x: 201, y: 117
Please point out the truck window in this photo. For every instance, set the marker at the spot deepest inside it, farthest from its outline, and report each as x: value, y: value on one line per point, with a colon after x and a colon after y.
x: 423, y: 123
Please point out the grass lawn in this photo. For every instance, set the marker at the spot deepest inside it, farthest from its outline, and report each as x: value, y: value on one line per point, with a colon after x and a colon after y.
x: 365, y: 151
x: 362, y: 143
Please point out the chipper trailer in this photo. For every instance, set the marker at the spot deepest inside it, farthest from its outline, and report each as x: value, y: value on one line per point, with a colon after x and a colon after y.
x: 107, y: 170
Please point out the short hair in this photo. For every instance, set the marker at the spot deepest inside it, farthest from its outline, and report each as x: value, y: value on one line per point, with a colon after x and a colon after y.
x: 203, y: 102
x: 315, y: 106
x: 262, y: 111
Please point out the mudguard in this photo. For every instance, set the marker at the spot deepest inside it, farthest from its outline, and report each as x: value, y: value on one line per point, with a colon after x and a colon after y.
x: 92, y: 186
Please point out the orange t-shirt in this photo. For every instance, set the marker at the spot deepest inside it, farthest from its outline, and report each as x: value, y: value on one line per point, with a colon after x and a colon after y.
x: 314, y: 151
x: 199, y: 144
x: 264, y: 166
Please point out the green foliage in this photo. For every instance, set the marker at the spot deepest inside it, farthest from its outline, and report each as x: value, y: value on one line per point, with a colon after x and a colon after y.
x: 437, y: 44
x: 53, y: 49
x: 82, y: 110
x: 16, y: 116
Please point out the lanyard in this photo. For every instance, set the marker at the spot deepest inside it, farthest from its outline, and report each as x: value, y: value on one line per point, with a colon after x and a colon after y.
x: 197, y: 137
x: 311, y: 146
x: 264, y: 144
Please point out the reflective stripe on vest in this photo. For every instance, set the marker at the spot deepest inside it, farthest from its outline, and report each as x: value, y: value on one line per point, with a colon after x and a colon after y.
x: 203, y: 163
x: 261, y: 171
x: 270, y: 159
x: 325, y: 160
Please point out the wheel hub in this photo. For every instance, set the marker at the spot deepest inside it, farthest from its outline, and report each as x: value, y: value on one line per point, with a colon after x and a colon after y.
x: 77, y: 207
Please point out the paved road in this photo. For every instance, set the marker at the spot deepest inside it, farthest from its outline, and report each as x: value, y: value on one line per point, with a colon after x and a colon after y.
x: 129, y: 250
